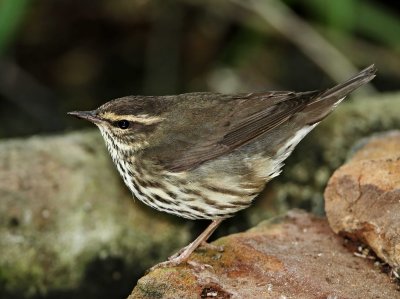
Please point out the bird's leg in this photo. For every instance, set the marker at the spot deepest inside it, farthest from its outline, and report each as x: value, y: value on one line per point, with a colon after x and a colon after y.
x: 183, y: 254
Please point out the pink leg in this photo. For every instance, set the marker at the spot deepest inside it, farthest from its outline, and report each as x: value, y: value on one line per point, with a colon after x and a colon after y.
x: 183, y: 254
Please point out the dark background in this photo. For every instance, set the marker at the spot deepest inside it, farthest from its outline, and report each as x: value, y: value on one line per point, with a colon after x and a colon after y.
x: 62, y: 55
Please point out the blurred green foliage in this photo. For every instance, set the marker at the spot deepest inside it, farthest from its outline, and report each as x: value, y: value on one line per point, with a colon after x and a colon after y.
x: 12, y: 13
x: 368, y: 18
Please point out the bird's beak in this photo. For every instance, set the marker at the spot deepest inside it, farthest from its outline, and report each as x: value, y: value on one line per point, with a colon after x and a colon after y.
x: 88, y: 115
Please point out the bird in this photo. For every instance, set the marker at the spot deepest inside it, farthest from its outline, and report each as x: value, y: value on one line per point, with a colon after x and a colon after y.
x: 207, y: 155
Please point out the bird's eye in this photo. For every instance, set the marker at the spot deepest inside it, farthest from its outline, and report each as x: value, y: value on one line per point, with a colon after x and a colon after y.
x: 123, y: 124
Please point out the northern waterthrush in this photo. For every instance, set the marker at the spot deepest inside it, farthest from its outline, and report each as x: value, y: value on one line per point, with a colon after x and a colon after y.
x: 208, y: 155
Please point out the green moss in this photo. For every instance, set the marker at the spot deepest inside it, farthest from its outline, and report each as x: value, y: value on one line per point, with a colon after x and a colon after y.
x: 152, y: 290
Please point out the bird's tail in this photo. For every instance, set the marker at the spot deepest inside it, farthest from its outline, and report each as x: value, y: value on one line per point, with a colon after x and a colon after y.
x: 327, y: 100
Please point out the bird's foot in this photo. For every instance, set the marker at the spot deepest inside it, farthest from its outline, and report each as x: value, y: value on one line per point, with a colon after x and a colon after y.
x: 203, y: 245
x: 170, y: 263
x: 179, y: 253
x: 182, y: 256
x: 176, y: 262
x: 176, y: 259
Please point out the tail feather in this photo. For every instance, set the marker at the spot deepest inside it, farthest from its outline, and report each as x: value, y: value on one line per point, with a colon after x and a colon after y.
x: 343, y: 89
x: 327, y: 100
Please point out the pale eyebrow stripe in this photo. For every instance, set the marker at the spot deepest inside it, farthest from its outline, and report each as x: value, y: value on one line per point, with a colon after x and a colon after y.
x: 142, y: 119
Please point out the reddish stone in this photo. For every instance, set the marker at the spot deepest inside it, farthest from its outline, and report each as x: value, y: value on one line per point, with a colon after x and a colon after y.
x: 296, y: 256
x: 362, y: 199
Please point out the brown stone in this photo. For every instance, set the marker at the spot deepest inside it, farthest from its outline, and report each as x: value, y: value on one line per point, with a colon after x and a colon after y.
x: 296, y: 256
x: 362, y: 199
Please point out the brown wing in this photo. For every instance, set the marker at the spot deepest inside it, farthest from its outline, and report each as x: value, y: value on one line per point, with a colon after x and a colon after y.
x: 249, y: 116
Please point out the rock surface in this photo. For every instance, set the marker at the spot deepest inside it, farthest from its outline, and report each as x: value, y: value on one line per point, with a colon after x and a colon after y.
x: 363, y: 197
x: 68, y: 223
x: 296, y: 256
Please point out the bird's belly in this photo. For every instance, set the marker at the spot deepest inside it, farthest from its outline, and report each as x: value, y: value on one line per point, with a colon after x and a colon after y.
x: 200, y: 198
x: 216, y: 190
x: 196, y: 200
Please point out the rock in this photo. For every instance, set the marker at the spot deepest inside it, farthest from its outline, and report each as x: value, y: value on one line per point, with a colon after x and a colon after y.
x: 67, y: 222
x: 296, y: 256
x: 363, y: 196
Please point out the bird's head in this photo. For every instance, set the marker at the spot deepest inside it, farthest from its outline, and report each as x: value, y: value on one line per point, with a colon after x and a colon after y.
x: 126, y: 123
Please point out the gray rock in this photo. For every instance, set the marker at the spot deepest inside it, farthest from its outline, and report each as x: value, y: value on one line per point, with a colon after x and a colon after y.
x: 64, y: 211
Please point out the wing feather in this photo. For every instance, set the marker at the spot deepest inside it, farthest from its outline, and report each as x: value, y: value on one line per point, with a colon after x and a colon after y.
x: 240, y: 119
x: 247, y: 124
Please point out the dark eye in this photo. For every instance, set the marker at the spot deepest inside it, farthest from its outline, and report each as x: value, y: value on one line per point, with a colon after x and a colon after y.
x: 123, y: 124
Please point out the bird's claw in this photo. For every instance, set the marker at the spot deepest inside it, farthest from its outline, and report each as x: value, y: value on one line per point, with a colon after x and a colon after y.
x: 172, y: 262
x: 177, y: 259
x: 203, y: 245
